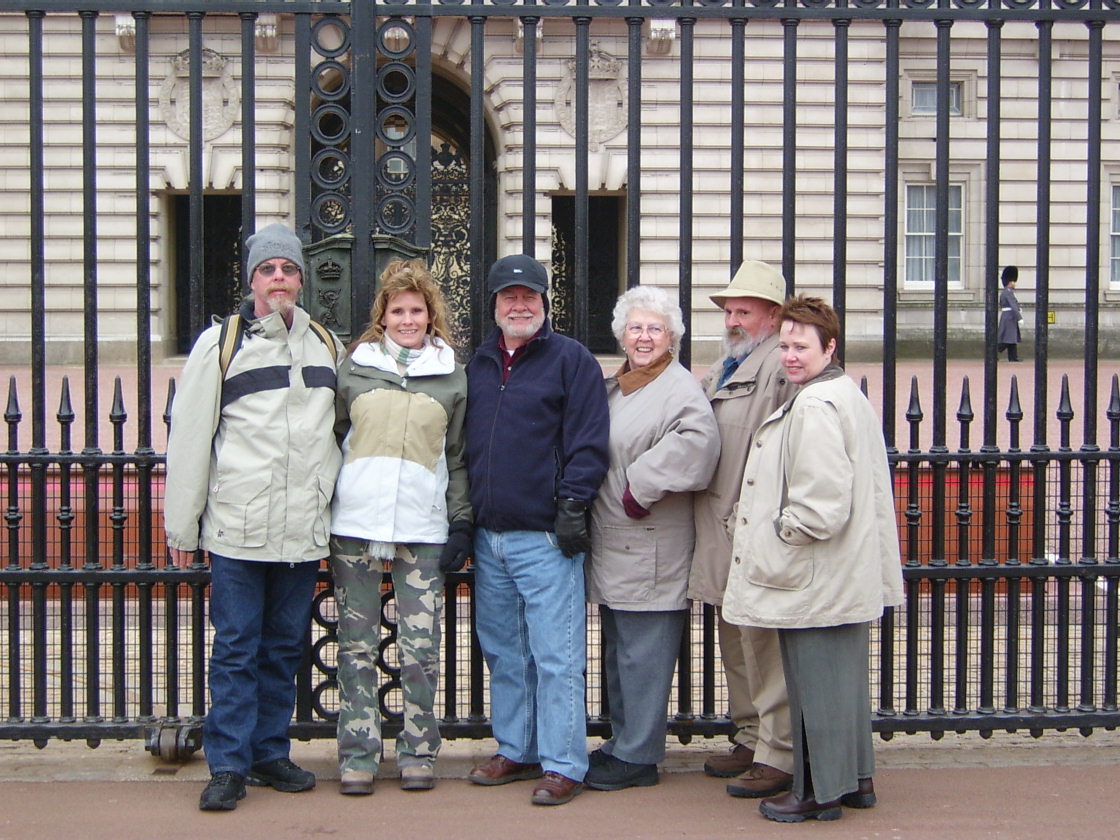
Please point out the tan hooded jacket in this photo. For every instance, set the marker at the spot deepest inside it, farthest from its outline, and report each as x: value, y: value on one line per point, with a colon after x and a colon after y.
x: 756, y: 389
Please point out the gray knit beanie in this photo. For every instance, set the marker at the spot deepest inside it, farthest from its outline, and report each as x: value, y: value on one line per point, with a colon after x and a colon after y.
x: 275, y: 240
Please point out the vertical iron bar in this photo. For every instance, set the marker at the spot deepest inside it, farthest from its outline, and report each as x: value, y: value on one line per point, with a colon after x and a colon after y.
x: 840, y: 178
x: 91, y: 451
x: 477, y: 229
x: 12, y: 519
x: 891, y: 232
x: 423, y: 113
x: 989, y: 449
x: 708, y: 661
x: 687, y: 127
x: 1089, y: 447
x: 529, y: 141
x: 1042, y: 231
x: 580, y: 320
x: 249, y: 134
x: 789, y: 153
x: 66, y: 518
x: 634, y: 153
x: 1112, y: 558
x: 938, y: 448
x: 117, y: 520
x: 937, y: 647
x: 38, y: 383
x: 361, y: 139
x: 196, y: 259
x: 477, y: 713
x: 738, y: 146
x: 144, y: 451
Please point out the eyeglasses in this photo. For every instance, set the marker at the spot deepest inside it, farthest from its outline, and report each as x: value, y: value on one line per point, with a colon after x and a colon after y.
x: 268, y: 269
x: 654, y: 330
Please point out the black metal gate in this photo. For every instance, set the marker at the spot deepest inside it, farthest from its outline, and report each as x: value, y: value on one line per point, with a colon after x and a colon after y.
x: 1012, y: 551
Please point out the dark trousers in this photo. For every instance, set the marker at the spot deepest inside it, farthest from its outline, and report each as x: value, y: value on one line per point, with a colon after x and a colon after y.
x: 261, y: 613
x: 1012, y: 351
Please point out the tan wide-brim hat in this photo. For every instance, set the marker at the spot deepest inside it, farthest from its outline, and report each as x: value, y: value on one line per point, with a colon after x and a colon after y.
x: 754, y: 279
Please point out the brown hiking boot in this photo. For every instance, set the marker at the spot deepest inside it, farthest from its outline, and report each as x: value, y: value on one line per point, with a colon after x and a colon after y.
x: 761, y: 780
x: 725, y: 765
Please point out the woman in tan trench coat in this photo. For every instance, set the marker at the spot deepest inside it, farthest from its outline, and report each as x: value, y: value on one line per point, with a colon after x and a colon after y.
x: 816, y: 556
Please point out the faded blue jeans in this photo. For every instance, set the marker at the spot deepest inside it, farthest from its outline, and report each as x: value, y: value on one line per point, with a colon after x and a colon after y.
x: 532, y: 624
x: 261, y: 614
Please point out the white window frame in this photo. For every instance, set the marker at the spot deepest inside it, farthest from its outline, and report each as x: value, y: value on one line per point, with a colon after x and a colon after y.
x: 1114, y: 239
x: 920, y: 109
x: 964, y: 80
x: 957, y: 237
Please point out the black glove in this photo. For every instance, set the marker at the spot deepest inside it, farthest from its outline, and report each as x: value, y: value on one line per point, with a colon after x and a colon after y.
x: 460, y: 543
x: 571, y: 527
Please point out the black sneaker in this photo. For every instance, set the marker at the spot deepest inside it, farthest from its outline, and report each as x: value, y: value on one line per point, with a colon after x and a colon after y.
x: 616, y: 774
x: 281, y: 774
x: 223, y: 791
x: 597, y: 758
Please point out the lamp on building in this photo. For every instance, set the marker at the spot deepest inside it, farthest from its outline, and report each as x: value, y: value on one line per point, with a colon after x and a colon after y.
x: 266, y: 33
x: 661, y: 35
x: 125, y: 26
x: 519, y: 37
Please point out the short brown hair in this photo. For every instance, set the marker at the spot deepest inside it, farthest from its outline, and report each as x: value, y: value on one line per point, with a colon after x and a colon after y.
x: 814, y: 312
x: 406, y: 276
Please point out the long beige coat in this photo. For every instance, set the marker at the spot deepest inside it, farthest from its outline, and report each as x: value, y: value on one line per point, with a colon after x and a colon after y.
x: 816, y: 544
x: 663, y: 442
x: 752, y: 394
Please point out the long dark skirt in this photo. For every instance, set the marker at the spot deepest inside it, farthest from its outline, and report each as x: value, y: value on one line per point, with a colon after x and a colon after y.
x: 827, y: 676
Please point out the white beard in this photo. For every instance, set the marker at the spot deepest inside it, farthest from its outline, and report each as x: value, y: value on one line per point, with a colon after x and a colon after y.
x: 738, y: 343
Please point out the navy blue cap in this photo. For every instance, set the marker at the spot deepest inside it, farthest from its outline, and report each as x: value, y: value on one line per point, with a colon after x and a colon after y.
x: 517, y: 270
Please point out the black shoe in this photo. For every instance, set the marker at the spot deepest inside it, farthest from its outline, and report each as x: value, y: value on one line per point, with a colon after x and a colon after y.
x: 598, y: 758
x: 223, y: 792
x: 281, y: 774
x: 616, y: 774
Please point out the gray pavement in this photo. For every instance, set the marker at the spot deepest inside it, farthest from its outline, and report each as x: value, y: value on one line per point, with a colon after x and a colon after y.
x: 1010, y: 787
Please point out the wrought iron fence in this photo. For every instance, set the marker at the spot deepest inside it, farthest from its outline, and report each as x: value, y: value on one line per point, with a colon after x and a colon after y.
x: 1011, y: 552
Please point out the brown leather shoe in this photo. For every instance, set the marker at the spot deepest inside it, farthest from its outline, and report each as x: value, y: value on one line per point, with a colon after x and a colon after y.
x: 862, y: 798
x: 555, y: 789
x: 725, y: 765
x: 761, y: 780
x: 788, y: 808
x: 500, y: 770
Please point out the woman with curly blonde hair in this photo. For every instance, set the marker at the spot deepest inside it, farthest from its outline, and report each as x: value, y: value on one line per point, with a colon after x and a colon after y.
x: 401, y: 500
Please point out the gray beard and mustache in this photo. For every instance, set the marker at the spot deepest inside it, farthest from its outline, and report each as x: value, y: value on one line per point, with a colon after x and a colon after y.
x: 738, y: 343
x: 282, y: 304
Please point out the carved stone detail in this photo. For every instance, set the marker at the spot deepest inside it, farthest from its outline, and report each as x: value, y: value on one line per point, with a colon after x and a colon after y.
x: 221, y: 101
x: 607, y: 98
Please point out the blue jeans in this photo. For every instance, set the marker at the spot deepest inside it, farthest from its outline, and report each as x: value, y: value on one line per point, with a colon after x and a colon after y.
x: 532, y: 624
x: 261, y: 613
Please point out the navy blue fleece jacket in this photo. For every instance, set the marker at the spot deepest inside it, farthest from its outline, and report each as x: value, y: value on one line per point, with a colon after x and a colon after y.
x: 539, y: 437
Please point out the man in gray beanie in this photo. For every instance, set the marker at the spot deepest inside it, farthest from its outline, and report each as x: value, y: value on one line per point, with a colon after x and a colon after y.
x: 275, y: 271
x: 251, y: 466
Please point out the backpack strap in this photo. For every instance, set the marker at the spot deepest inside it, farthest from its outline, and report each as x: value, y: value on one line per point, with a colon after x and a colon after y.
x: 324, y: 335
x: 229, y: 341
x: 233, y: 333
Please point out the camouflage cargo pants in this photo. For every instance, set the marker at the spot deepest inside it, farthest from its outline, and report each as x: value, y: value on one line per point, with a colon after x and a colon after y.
x: 418, y: 595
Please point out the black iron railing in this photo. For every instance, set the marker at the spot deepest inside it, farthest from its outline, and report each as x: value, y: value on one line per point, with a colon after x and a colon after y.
x: 1010, y: 548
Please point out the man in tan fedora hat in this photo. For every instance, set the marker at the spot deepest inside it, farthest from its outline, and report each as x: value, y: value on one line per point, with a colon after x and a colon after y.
x: 745, y: 386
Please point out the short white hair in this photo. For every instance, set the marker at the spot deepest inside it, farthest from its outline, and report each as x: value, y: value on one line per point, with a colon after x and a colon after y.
x: 652, y: 299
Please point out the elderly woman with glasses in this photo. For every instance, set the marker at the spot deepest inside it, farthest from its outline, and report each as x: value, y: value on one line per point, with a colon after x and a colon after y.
x: 664, y: 445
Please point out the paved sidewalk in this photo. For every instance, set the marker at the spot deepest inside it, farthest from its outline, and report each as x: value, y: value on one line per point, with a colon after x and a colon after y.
x: 1010, y: 787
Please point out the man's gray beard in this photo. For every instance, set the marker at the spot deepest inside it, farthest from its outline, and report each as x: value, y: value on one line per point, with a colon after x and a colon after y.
x: 741, y: 344
x: 526, y: 329
x: 283, y: 305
